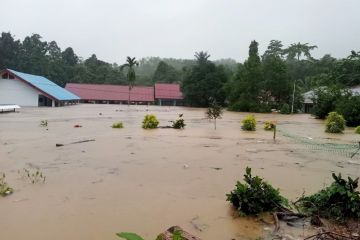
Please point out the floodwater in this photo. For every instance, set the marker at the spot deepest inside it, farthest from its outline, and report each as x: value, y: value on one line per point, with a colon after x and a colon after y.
x: 145, y: 181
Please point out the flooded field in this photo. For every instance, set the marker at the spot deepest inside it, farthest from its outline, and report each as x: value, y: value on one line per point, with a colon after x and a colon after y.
x: 148, y: 180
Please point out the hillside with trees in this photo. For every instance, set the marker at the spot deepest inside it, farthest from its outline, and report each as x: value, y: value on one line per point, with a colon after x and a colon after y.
x: 261, y: 83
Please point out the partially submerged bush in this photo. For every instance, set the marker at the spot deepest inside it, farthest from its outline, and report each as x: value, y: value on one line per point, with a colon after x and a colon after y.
x: 249, y: 123
x: 285, y: 109
x: 334, y: 123
x: 269, y: 125
x: 150, y: 122
x: 179, y: 123
x: 255, y: 196
x: 176, y: 234
x: 118, y: 125
x: 4, y: 187
x: 357, y: 130
x: 340, y: 200
x: 43, y: 123
x: 32, y: 175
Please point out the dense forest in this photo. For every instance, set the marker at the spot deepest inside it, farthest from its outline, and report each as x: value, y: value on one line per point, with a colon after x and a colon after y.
x: 261, y: 83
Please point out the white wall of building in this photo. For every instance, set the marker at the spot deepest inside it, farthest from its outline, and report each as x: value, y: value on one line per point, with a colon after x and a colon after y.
x: 13, y: 91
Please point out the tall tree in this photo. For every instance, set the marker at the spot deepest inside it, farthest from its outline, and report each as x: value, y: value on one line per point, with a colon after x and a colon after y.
x: 246, y: 88
x: 204, y: 81
x: 131, y: 76
x: 299, y: 49
x: 9, y: 51
x: 166, y: 73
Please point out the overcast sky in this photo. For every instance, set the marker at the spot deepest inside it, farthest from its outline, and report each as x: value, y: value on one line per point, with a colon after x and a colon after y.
x: 114, y: 29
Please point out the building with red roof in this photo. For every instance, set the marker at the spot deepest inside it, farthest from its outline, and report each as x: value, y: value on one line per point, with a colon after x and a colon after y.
x: 162, y: 93
x: 168, y: 93
x: 106, y: 93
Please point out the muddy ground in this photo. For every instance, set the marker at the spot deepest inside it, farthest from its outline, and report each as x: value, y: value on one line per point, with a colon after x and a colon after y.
x: 148, y: 180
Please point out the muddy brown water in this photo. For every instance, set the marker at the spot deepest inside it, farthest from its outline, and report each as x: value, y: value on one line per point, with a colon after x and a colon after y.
x: 145, y: 181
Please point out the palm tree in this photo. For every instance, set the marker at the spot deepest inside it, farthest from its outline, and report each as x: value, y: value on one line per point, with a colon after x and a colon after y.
x: 201, y: 56
x: 298, y: 49
x: 131, y: 76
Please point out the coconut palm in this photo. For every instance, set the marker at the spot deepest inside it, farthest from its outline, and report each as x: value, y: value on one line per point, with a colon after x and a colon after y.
x: 131, y: 76
x: 298, y: 49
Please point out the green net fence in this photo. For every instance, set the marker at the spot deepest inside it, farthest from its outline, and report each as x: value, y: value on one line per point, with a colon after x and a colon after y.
x: 348, y: 150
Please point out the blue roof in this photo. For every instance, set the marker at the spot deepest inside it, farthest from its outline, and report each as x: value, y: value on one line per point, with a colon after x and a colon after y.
x: 46, y: 86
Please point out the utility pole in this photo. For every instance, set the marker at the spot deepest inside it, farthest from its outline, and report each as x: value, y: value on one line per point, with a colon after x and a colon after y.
x: 293, y: 99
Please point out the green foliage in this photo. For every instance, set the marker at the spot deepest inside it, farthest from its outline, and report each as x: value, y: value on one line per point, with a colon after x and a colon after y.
x: 334, y: 123
x: 285, y: 109
x: 245, y: 90
x: 357, y: 130
x: 133, y: 236
x: 179, y: 123
x: 204, y: 80
x: 4, y: 188
x: 325, y: 99
x: 349, y: 107
x: 118, y: 125
x: 177, y: 235
x: 32, y: 175
x: 255, y: 196
x: 129, y: 236
x: 166, y: 73
x: 214, y: 111
x: 150, y: 121
x: 340, y: 200
x: 249, y: 123
x: 269, y: 125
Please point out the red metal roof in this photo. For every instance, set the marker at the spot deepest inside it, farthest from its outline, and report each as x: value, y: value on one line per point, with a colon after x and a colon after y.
x: 111, y: 92
x: 168, y: 91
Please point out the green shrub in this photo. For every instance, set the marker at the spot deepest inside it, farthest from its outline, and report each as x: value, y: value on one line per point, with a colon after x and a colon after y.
x: 269, y: 125
x: 255, y: 196
x: 325, y: 99
x: 334, y: 123
x: 357, y: 130
x: 150, y: 122
x: 118, y: 125
x: 349, y: 107
x: 285, y: 109
x: 340, y: 200
x: 4, y: 188
x: 249, y: 123
x: 179, y: 123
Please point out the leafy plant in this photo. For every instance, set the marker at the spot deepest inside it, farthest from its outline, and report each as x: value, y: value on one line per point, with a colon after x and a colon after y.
x: 179, y: 123
x: 334, y: 123
x: 133, y: 236
x: 269, y: 125
x: 340, y: 200
x: 4, y: 188
x: 43, y: 123
x: 33, y: 176
x: 357, y: 130
x: 255, y: 196
x: 214, y: 111
x: 285, y: 109
x: 129, y: 236
x: 118, y: 125
x: 150, y: 121
x: 249, y: 123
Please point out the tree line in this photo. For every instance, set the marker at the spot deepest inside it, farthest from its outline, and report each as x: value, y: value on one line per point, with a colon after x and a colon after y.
x: 274, y: 80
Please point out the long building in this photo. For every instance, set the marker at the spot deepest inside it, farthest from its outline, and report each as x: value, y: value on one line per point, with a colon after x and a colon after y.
x: 168, y: 94
x: 31, y: 90
x: 161, y: 93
